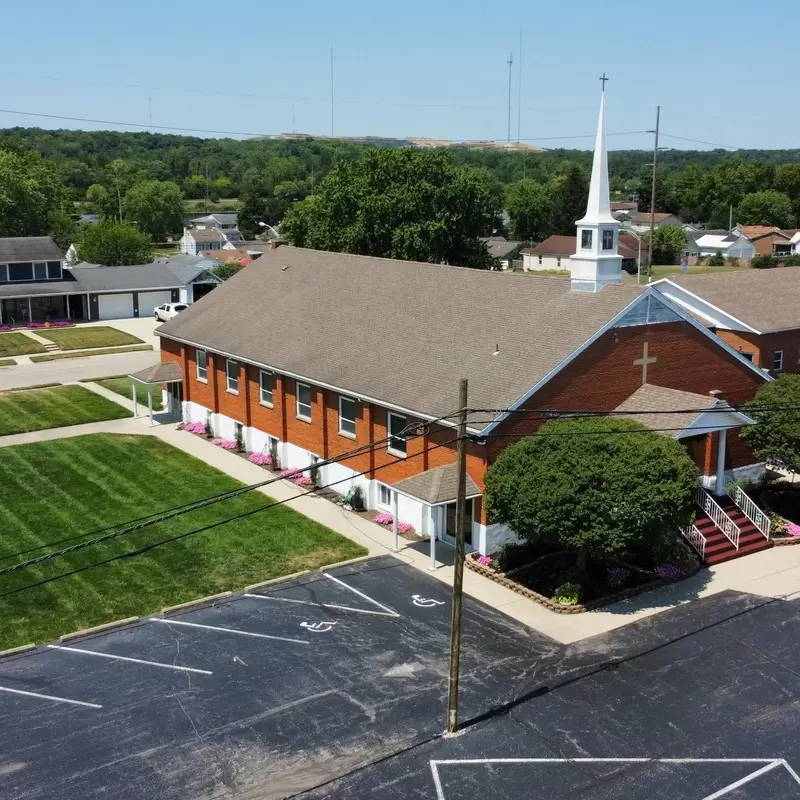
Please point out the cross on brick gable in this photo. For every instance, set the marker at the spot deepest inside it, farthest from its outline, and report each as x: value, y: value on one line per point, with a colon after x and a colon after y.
x: 643, y: 362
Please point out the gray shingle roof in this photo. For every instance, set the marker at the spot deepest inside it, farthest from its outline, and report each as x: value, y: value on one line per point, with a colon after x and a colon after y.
x: 500, y: 247
x: 29, y: 248
x: 437, y: 485
x: 163, y: 372
x: 205, y: 235
x: 399, y: 332
x: 669, y: 402
x: 764, y: 299
x: 230, y: 218
x: 44, y: 289
x: 144, y: 276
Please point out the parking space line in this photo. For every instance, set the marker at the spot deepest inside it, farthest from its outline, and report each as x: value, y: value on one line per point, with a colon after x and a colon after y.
x: 361, y: 594
x: 131, y: 660
x: 50, y: 697
x: 228, y: 630
x: 320, y: 605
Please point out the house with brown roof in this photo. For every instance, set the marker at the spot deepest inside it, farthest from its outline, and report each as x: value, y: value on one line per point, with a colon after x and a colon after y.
x: 754, y: 311
x: 767, y: 240
x: 349, y: 365
x: 554, y: 255
x: 640, y: 222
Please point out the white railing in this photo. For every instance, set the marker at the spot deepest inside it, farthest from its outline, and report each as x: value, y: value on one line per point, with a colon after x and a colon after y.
x: 695, y: 539
x: 749, y: 508
x: 718, y: 516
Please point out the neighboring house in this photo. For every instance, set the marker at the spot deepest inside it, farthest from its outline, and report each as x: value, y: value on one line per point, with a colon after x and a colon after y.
x: 380, y: 361
x: 795, y: 242
x: 728, y: 245
x: 631, y: 207
x: 640, y: 222
x: 767, y: 240
x: 196, y: 275
x: 225, y: 222
x: 88, y: 219
x: 755, y: 311
x: 200, y: 240
x: 39, y: 290
x: 554, y: 254
x: 502, y: 250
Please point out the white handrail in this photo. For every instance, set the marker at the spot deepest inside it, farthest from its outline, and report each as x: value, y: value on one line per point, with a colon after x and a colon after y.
x: 695, y: 539
x: 749, y: 508
x: 718, y: 515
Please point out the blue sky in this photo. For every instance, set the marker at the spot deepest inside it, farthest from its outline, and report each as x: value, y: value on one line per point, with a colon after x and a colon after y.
x: 721, y: 73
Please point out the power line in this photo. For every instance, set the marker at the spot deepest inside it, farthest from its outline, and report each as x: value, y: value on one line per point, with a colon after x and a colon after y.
x: 701, y: 141
x: 204, y: 528
x: 555, y: 412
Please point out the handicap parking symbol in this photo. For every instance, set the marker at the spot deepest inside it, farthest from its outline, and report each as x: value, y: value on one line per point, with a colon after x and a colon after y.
x: 318, y: 627
x: 425, y: 602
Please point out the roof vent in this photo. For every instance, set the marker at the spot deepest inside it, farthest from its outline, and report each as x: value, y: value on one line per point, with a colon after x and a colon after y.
x: 284, y: 267
x: 496, y: 350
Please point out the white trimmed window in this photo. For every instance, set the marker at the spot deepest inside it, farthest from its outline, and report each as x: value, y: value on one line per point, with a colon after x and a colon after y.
x: 232, y: 376
x: 586, y: 240
x: 347, y: 416
x: 266, y: 381
x: 304, y: 401
x: 608, y: 240
x: 397, y: 439
x: 202, y: 366
x: 384, y: 496
x: 777, y: 361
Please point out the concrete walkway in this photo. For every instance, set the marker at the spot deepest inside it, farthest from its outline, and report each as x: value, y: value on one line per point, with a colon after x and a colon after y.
x: 770, y: 573
x: 36, y: 338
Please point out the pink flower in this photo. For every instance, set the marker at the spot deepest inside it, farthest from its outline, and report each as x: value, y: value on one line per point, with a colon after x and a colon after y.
x: 287, y: 473
x: 485, y: 561
x: 195, y: 427
x: 384, y: 518
x: 405, y: 527
x: 793, y: 529
x: 260, y: 459
x: 225, y: 444
x: 303, y: 481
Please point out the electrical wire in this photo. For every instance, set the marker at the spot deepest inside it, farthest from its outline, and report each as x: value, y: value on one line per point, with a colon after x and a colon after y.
x: 602, y: 413
x: 204, y: 528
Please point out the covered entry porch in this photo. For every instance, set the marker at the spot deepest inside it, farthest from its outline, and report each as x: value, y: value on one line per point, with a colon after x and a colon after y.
x: 435, y: 491
x: 166, y: 377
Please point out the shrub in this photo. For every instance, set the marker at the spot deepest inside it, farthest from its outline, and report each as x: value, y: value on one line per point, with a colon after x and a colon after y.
x: 273, y: 454
x: 384, y: 518
x: 314, y: 475
x: 195, y: 427
x: 763, y: 261
x: 357, y: 499
x: 717, y: 260
x: 239, y: 438
x: 618, y: 575
x: 669, y: 571
x: 226, y: 444
x: 209, y: 430
x: 568, y: 594
x: 260, y: 459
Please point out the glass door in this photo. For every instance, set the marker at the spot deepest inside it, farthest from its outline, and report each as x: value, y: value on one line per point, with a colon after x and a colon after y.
x: 450, y: 523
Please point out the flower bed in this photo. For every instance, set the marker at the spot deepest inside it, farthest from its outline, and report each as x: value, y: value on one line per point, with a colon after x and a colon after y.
x: 623, y: 580
x: 195, y: 427
x: 32, y: 326
x: 260, y: 459
x: 387, y: 520
x: 226, y: 444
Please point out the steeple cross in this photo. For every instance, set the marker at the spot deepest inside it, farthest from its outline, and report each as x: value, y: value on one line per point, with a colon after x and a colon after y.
x: 643, y: 362
x: 604, y: 79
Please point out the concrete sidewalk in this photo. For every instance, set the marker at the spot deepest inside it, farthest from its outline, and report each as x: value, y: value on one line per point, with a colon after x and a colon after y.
x: 770, y: 573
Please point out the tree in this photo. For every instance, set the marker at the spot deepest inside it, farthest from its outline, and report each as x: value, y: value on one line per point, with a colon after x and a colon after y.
x: 529, y: 204
x: 596, y: 485
x: 101, y: 201
x: 692, y: 190
x: 766, y: 208
x: 252, y: 210
x: 669, y: 242
x: 114, y: 244
x: 157, y: 207
x: 569, y: 194
x: 787, y: 180
x: 400, y: 203
x: 776, y: 435
x: 227, y: 270
x: 30, y: 191
x: 62, y: 228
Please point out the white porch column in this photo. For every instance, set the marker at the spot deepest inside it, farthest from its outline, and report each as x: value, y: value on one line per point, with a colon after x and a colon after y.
x: 150, y: 401
x: 135, y: 403
x: 720, y: 485
x: 433, y: 520
x: 30, y: 311
x: 395, y: 532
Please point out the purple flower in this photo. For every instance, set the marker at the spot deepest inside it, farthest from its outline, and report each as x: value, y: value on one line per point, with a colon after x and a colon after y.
x: 383, y: 518
x: 260, y: 459
x: 618, y: 574
x: 303, y: 480
x: 226, y: 444
x: 195, y: 427
x: 793, y: 529
x: 669, y: 571
x: 287, y: 473
x: 485, y: 561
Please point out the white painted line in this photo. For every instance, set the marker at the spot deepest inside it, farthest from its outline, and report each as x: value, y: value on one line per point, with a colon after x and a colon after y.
x: 228, y: 630
x: 131, y: 660
x: 321, y: 605
x: 742, y: 781
x: 361, y: 594
x: 50, y: 697
x: 437, y: 781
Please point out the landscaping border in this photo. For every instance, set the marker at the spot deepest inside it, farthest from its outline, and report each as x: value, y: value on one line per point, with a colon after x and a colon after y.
x: 559, y: 608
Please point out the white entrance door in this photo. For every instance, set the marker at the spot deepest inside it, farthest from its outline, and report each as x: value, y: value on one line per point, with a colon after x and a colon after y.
x: 149, y: 301
x: 446, y: 523
x: 115, y: 306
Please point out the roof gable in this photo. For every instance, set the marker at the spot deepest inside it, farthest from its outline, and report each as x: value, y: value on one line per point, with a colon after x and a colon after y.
x: 29, y: 248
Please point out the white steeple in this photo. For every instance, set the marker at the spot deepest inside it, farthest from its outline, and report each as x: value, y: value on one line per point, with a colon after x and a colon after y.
x: 597, y: 261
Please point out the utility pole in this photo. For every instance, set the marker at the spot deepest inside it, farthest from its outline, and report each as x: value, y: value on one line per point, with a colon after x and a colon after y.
x: 458, y: 574
x: 653, y: 195
x: 205, y: 204
x: 331, y: 91
x: 519, y: 91
x: 730, y: 218
x: 510, y: 63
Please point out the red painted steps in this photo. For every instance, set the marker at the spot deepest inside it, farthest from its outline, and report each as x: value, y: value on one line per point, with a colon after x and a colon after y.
x: 718, y: 547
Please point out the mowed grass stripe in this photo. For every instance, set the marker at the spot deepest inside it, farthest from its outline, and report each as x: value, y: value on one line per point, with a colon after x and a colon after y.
x: 54, y: 407
x: 85, y: 337
x: 105, y: 479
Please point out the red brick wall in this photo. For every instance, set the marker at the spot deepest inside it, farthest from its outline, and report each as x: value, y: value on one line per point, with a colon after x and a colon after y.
x: 604, y: 374
x: 763, y: 347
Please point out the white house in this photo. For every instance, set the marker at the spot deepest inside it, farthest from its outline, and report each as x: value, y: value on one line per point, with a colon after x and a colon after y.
x: 730, y: 246
x: 225, y: 222
x: 198, y: 240
x: 796, y: 243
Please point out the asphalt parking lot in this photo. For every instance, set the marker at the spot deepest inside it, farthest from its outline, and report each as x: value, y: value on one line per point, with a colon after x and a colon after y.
x: 334, y: 685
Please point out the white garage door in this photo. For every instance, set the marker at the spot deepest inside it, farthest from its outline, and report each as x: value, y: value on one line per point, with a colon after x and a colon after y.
x: 115, y: 306
x: 149, y: 300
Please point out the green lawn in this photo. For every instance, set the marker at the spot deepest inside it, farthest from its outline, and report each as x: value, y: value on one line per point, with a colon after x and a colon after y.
x: 55, y: 407
x: 18, y: 344
x: 103, y: 351
x: 95, y: 481
x: 82, y: 337
x: 7, y: 362
x: 122, y: 385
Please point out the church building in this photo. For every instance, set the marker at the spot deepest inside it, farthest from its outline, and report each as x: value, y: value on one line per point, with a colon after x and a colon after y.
x: 313, y: 354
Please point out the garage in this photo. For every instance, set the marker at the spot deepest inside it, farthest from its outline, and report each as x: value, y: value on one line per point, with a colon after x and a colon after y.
x: 115, y: 306
x: 150, y: 300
